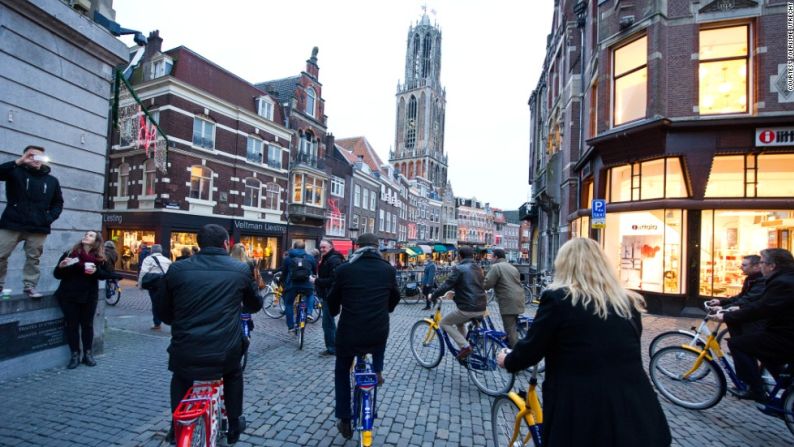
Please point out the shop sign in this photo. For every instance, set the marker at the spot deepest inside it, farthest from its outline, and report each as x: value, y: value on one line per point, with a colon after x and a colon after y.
x: 261, y: 227
x: 112, y: 218
x: 771, y: 136
x: 598, y: 212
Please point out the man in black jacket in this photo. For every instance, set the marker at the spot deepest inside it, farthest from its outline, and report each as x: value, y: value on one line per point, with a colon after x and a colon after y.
x: 201, y: 299
x: 34, y: 203
x: 774, y: 343
x: 330, y: 260
x: 752, y: 289
x: 467, y: 280
x: 366, y: 290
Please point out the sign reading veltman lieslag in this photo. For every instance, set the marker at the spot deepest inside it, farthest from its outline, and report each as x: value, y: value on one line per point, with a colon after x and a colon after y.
x: 774, y: 136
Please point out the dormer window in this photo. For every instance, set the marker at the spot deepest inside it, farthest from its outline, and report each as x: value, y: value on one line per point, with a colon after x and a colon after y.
x: 160, y: 67
x: 264, y: 107
x: 311, y: 99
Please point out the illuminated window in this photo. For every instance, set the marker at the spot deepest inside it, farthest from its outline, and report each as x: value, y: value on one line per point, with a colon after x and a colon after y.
x: 727, y: 177
x: 630, y: 78
x: 620, y: 184
x: 722, y: 71
x: 653, y: 179
x: 200, y: 182
x: 774, y: 175
x: 297, y: 188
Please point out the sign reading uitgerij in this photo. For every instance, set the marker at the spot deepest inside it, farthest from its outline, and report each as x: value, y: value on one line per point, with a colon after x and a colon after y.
x: 598, y: 212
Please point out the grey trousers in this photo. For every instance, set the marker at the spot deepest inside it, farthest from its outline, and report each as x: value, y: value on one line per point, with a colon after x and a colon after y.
x: 454, y: 322
x: 34, y: 246
x: 510, y: 322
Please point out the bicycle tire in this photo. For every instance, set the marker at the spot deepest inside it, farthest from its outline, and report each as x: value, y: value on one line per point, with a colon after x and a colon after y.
x: 114, y: 296
x: 272, y: 309
x: 702, y: 390
x: 193, y: 435
x: 788, y: 409
x: 487, y: 376
x: 316, y: 314
x: 503, y: 417
x: 428, y: 352
x: 673, y: 338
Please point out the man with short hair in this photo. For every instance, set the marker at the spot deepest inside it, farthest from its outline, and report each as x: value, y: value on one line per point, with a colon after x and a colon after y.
x: 508, y: 291
x: 296, y: 273
x: 467, y: 280
x: 201, y: 299
x: 752, y: 289
x: 154, y: 263
x: 35, y: 201
x: 365, y: 289
x: 428, y: 281
x: 330, y: 260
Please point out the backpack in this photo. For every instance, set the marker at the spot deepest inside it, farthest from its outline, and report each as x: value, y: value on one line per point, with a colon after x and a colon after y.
x: 301, y: 270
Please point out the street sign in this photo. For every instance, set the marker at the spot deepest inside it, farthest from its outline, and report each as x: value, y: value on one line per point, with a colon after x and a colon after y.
x: 598, y: 212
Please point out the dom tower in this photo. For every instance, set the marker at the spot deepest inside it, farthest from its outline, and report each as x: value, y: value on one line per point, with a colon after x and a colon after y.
x: 421, y: 105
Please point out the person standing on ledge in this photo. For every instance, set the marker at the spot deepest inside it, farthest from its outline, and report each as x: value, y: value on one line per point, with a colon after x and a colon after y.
x: 34, y: 203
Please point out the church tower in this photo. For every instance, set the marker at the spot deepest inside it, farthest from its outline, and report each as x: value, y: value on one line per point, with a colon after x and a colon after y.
x: 421, y: 105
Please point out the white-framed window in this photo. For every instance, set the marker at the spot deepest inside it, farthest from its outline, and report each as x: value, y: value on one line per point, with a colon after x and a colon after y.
x: 381, y: 221
x: 311, y: 99
x: 365, y: 198
x: 274, y: 154
x: 394, y: 223
x: 124, y: 180
x: 723, y: 70
x: 354, y: 223
x: 335, y: 225
x: 149, y: 177
x: 308, y: 189
x: 160, y: 67
x: 307, y: 149
x: 357, y: 196
x: 253, y: 192
x: 254, y: 149
x: 373, y: 201
x: 273, y: 196
x: 203, y: 133
x: 200, y: 182
x: 264, y: 107
x: 630, y: 81
x: 337, y: 186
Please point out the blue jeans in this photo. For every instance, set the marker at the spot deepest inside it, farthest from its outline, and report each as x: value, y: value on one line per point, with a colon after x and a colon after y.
x: 342, y: 380
x: 155, y: 318
x: 329, y: 327
x: 289, y: 303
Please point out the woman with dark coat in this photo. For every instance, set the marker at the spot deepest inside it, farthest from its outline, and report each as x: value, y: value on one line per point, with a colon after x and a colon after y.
x: 80, y: 270
x: 588, y: 328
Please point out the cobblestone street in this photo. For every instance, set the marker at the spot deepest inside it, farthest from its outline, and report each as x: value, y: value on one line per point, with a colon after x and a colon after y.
x: 289, y: 394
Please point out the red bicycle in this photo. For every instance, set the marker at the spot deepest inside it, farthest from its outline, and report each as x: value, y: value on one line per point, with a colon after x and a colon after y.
x: 200, y: 418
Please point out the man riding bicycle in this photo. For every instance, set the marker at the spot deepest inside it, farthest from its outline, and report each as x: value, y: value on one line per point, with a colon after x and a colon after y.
x: 200, y: 298
x: 297, y: 272
x: 365, y: 288
x: 467, y: 280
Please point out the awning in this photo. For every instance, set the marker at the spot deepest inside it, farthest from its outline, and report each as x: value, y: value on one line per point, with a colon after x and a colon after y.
x: 438, y: 248
x: 426, y: 249
x: 344, y: 246
x: 450, y: 247
x: 413, y: 251
x: 392, y: 250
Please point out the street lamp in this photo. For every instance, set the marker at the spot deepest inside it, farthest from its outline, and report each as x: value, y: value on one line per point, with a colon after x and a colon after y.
x: 353, y: 236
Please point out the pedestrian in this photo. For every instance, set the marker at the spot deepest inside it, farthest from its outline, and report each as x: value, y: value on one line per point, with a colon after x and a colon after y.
x: 80, y: 269
x: 194, y: 249
x: 238, y: 252
x: 330, y: 260
x: 467, y: 280
x: 111, y: 255
x: 772, y: 343
x: 185, y: 252
x: 35, y: 201
x: 428, y: 281
x: 365, y: 292
x: 505, y: 280
x: 126, y: 257
x: 296, y: 272
x: 143, y: 252
x: 201, y: 298
x: 154, y: 263
x: 588, y: 328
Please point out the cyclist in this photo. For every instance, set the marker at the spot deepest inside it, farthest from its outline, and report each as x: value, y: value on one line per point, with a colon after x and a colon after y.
x: 428, y: 281
x: 752, y: 289
x: 468, y: 283
x: 200, y: 298
x: 296, y: 272
x: 504, y: 278
x: 330, y: 260
x: 366, y: 290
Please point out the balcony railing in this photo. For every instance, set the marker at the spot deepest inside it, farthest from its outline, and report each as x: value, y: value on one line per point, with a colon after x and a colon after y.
x: 300, y: 210
x: 302, y: 158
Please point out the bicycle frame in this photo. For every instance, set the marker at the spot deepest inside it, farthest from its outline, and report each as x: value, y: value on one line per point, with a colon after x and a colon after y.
x: 365, y: 382
x: 530, y: 411
x: 204, y: 400
x: 711, y: 351
x: 300, y: 311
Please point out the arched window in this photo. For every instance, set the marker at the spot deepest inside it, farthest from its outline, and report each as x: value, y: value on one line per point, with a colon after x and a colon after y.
x: 124, y: 180
x: 253, y: 192
x: 307, y: 151
x: 311, y: 99
x: 149, y: 177
x: 200, y: 182
x: 428, y: 41
x: 410, y: 124
x: 273, y: 196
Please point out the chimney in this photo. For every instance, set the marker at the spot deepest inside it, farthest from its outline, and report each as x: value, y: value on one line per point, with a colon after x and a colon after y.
x: 154, y: 45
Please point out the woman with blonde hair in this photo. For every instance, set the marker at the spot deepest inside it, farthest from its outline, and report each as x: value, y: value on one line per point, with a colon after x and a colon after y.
x: 238, y: 252
x: 588, y: 329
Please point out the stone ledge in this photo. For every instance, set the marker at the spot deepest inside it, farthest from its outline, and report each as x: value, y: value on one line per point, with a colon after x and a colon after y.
x: 22, y: 303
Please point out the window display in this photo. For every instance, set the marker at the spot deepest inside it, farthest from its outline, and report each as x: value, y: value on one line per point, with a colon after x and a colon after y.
x: 262, y: 248
x: 180, y: 240
x: 128, y: 244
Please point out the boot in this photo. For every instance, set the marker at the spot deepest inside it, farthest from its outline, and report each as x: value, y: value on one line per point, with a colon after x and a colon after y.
x: 74, y: 361
x: 88, y: 358
x: 235, y: 429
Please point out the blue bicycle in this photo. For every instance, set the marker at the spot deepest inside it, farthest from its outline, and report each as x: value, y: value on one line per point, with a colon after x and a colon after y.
x: 365, y: 397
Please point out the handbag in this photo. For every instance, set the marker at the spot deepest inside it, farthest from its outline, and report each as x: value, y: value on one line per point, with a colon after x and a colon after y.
x: 260, y: 283
x: 151, y: 280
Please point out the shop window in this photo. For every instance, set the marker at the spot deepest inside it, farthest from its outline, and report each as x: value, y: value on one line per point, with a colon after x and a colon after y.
x: 774, y: 175
x: 273, y: 196
x: 203, y: 133
x: 181, y: 240
x: 253, y: 150
x: 727, y: 177
x: 653, y: 179
x: 675, y: 184
x: 262, y: 249
x: 128, y: 244
x: 630, y: 78
x: 581, y: 227
x: 723, y: 69
x: 253, y: 191
x: 200, y: 182
x: 124, y: 180
x: 149, y: 177
x: 620, y: 184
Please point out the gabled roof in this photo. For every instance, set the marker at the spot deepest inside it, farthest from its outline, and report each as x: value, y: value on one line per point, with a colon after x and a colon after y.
x: 359, y: 146
x: 283, y: 89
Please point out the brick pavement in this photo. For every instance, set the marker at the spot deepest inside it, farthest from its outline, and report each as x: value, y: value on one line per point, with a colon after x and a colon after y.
x: 289, y: 395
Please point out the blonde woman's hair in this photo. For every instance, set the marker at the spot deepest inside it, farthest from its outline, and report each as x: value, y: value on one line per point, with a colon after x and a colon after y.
x: 582, y: 268
x: 238, y: 252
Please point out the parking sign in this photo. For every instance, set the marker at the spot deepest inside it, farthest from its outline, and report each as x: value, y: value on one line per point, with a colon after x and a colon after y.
x: 599, y: 213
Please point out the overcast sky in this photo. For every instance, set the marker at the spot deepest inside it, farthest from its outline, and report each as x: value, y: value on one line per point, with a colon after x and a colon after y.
x: 492, y: 54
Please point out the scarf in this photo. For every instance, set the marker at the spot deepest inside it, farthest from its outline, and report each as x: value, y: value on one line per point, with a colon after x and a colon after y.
x: 357, y: 254
x: 84, y: 257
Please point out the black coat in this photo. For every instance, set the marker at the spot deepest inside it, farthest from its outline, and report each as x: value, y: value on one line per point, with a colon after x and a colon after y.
x: 595, y: 392
x: 34, y: 198
x: 752, y: 289
x: 467, y: 280
x: 76, y: 286
x: 325, y: 273
x: 201, y: 299
x: 366, y: 290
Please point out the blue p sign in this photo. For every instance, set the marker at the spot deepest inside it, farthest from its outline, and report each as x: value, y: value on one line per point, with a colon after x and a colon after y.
x: 599, y: 209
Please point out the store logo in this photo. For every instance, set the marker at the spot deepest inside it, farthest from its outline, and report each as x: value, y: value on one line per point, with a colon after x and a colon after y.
x: 644, y: 227
x: 113, y: 218
x: 783, y: 136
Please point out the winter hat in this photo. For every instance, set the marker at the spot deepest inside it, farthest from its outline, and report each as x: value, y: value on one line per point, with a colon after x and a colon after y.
x: 367, y: 239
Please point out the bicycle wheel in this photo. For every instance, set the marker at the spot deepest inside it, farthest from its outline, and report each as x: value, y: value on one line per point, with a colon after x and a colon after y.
x: 316, y: 313
x: 193, y: 435
x: 112, y: 293
x: 503, y: 420
x: 426, y: 344
x: 703, y: 389
x: 788, y: 409
x: 487, y: 376
x: 672, y: 338
x: 272, y: 309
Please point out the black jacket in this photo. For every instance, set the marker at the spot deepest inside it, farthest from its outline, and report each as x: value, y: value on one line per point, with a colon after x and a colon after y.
x: 752, y: 289
x: 34, y: 198
x: 325, y: 273
x: 201, y: 300
x: 76, y: 286
x: 467, y: 280
x: 366, y: 290
x: 595, y: 392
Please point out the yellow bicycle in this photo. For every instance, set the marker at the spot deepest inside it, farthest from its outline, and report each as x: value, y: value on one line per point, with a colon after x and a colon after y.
x: 517, y: 417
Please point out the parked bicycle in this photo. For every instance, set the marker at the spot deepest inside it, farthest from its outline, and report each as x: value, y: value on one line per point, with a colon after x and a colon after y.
x: 427, y: 346
x: 517, y: 417
x: 365, y: 398
x: 112, y: 292
x: 271, y: 300
x: 200, y: 418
